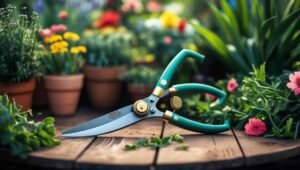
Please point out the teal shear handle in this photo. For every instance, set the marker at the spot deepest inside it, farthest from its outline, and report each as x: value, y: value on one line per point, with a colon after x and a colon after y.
x: 189, y: 87
x: 167, y: 75
x: 191, y: 125
x: 195, y: 126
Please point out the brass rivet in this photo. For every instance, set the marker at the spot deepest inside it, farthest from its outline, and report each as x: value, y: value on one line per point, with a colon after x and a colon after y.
x: 176, y: 102
x: 140, y: 107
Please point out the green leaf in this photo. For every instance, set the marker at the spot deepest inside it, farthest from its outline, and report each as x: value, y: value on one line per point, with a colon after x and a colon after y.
x: 214, y: 41
x: 182, y: 148
x: 177, y: 138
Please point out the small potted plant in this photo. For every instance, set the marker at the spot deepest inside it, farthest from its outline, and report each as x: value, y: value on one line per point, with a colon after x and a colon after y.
x: 62, y: 63
x: 18, y: 63
x: 106, y: 59
x: 141, y: 81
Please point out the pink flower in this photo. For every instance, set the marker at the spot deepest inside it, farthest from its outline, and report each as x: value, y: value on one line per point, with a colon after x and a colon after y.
x: 294, y: 83
x: 132, y: 5
x: 46, y: 32
x: 255, y: 127
x: 153, y: 6
x: 181, y: 26
x: 58, y: 28
x: 63, y: 15
x: 167, y: 40
x: 232, y: 85
x: 210, y: 97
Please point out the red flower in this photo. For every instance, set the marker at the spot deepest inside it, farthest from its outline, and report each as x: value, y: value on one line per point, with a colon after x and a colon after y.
x: 255, y: 127
x: 181, y: 26
x: 167, y: 40
x: 108, y: 18
x: 232, y: 85
x: 294, y: 83
x: 63, y: 15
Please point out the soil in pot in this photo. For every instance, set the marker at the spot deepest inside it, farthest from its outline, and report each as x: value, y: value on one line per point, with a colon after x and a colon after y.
x: 63, y: 93
x: 138, y: 92
x: 104, y: 86
x: 21, y: 92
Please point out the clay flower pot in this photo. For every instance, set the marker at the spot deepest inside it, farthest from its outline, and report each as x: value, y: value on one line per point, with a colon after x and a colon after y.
x: 63, y: 93
x: 39, y: 94
x: 138, y: 92
x: 20, y: 92
x: 104, y: 85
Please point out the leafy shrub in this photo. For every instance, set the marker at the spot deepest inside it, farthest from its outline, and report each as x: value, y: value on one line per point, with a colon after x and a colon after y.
x: 21, y: 135
x: 142, y: 75
x: 263, y: 31
x: 106, y: 50
x: 18, y: 40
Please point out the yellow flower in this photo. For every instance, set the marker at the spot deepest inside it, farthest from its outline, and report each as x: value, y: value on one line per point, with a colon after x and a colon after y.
x: 82, y: 49
x: 108, y: 30
x: 192, y: 47
x: 47, y: 40
x: 169, y: 20
x: 55, y: 38
x: 63, y: 50
x: 74, y: 50
x: 149, y: 58
x: 71, y: 36
x: 64, y: 43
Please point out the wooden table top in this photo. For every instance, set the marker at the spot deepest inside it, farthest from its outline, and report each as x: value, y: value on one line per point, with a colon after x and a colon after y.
x: 225, y: 150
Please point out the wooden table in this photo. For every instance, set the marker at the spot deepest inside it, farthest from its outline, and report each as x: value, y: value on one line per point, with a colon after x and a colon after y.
x: 230, y: 149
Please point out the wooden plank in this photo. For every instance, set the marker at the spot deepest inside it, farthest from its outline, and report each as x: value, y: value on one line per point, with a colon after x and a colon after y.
x: 64, y: 155
x: 260, y: 150
x: 107, y: 151
x: 205, y: 151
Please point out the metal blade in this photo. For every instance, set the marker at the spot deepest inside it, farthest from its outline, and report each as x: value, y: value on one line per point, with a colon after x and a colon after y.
x: 114, y: 120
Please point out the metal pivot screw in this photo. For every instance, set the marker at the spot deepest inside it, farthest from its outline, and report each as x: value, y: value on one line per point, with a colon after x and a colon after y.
x: 176, y: 103
x: 152, y: 110
x: 140, y: 107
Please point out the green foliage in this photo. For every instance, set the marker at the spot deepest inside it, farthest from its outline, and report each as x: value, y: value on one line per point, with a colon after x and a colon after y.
x: 18, y: 37
x: 259, y: 96
x: 21, y: 135
x: 267, y: 31
x: 142, y: 75
x: 107, y: 50
x: 156, y: 142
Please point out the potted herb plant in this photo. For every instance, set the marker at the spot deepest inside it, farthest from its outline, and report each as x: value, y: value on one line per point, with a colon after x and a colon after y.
x: 141, y: 81
x: 63, y: 80
x: 106, y: 59
x: 18, y: 64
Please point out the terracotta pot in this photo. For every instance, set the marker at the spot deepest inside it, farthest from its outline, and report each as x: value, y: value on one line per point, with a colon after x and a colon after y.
x: 138, y: 92
x: 63, y: 93
x: 39, y: 95
x: 104, y: 85
x: 21, y: 92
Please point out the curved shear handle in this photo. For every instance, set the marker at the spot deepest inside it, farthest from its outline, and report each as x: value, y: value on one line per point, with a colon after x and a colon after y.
x: 188, y: 87
x: 195, y: 126
x: 170, y: 70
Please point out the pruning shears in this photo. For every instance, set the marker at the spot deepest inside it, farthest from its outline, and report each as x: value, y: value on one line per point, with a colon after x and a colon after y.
x: 148, y: 107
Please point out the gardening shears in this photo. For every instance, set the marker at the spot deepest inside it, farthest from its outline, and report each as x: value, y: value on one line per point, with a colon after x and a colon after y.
x: 148, y: 107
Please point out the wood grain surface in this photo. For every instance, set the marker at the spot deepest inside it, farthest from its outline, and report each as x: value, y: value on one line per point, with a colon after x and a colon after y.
x: 205, y: 151
x: 260, y: 150
x: 230, y: 149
